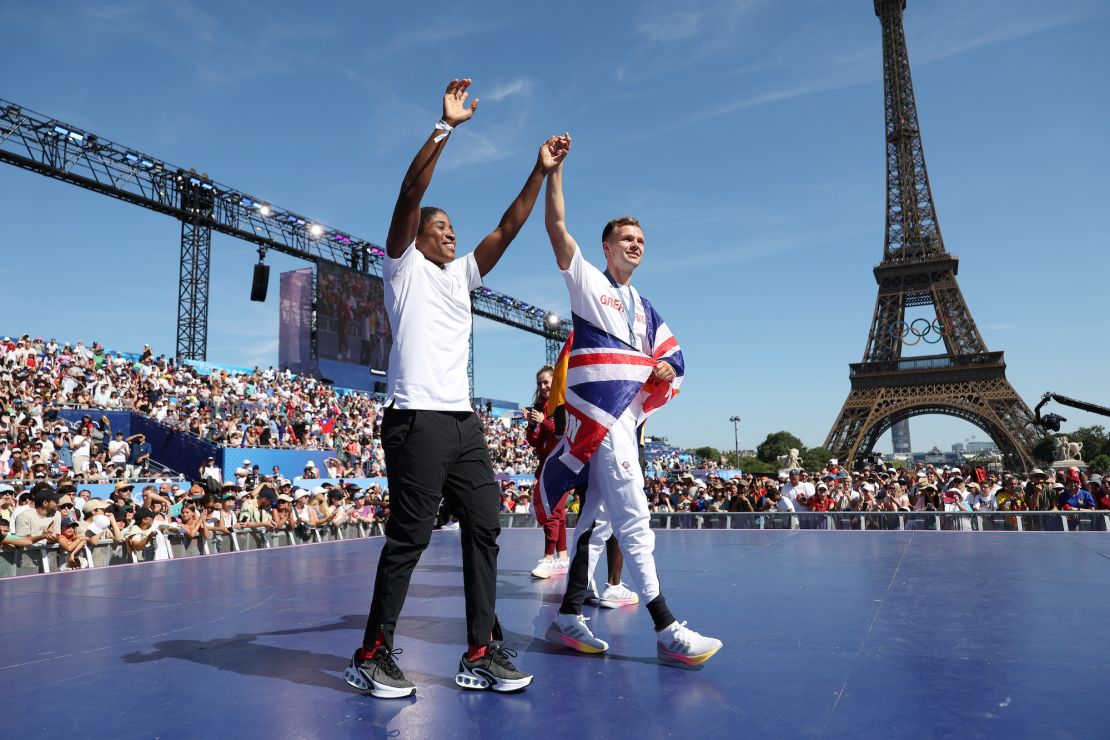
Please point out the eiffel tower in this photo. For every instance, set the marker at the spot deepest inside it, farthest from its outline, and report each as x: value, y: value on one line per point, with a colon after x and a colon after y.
x: 966, y: 380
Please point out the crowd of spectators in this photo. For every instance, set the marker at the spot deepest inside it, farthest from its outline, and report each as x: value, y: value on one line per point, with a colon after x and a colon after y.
x: 44, y: 461
x: 262, y: 408
x: 71, y: 518
x: 922, y: 488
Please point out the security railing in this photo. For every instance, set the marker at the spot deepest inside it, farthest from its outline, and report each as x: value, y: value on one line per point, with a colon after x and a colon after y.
x: 41, y: 559
x: 973, y: 521
x: 48, y: 559
x: 965, y: 521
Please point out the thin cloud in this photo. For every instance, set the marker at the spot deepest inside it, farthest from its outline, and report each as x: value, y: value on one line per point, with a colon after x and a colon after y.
x: 673, y: 26
x: 446, y: 30
x: 855, y: 69
x: 519, y: 86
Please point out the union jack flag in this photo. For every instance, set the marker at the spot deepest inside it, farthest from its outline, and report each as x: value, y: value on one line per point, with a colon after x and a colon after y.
x: 605, y: 376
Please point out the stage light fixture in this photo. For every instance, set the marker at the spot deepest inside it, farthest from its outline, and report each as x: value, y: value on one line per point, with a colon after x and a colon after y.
x: 316, y: 231
x: 265, y: 210
x: 552, y: 320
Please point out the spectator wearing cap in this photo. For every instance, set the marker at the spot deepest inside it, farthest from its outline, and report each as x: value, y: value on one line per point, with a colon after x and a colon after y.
x: 211, y: 477
x: 256, y: 511
x: 310, y: 471
x: 926, y: 499
x: 798, y: 491
x: 304, y: 514
x: 138, y: 456
x: 1007, y: 490
x: 99, y: 523
x: 1097, y: 489
x: 145, y: 538
x: 982, y: 500
x: 821, y: 502
x: 281, y: 512
x: 71, y: 544
x: 118, y: 452
x: 39, y: 523
x: 1074, y: 495
x: 7, y: 502
x: 1039, y: 492
x: 242, y: 474
x: 222, y: 520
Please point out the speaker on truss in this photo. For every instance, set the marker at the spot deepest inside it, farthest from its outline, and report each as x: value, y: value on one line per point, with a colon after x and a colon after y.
x: 261, y: 282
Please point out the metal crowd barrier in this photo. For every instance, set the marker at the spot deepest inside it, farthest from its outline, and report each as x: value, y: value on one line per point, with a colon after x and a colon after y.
x: 31, y: 560
x: 972, y: 521
x: 967, y: 521
x: 39, y: 559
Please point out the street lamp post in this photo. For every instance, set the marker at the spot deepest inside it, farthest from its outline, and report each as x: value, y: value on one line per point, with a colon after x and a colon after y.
x: 736, y: 437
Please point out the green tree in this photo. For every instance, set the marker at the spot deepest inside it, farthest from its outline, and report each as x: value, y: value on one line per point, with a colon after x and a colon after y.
x: 1101, y: 463
x: 815, y: 458
x: 755, y: 465
x: 708, y: 453
x: 1042, y: 451
x: 777, y: 444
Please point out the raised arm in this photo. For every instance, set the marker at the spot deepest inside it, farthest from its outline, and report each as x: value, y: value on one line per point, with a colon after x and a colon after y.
x: 555, y: 216
x: 406, y: 213
x: 489, y: 251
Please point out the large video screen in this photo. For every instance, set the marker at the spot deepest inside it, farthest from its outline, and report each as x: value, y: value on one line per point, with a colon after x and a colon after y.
x: 352, y: 326
x: 295, y: 322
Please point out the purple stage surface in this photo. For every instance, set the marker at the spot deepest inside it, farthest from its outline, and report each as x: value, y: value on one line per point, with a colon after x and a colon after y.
x: 827, y: 634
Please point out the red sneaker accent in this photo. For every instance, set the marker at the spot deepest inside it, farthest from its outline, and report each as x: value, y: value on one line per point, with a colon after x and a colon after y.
x: 366, y: 653
x: 473, y: 652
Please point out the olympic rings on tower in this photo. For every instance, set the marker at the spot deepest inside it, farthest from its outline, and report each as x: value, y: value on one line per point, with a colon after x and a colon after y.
x: 920, y: 329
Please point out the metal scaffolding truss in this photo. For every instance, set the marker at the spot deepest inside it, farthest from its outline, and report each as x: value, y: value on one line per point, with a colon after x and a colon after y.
x: 64, y: 152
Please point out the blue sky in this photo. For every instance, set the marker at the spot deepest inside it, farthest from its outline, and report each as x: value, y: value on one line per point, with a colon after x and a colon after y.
x: 746, y: 135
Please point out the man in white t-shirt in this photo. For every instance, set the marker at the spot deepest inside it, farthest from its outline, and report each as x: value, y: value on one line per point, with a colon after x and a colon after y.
x: 434, y: 443
x: 799, y: 492
x: 615, y: 500
x: 118, y: 450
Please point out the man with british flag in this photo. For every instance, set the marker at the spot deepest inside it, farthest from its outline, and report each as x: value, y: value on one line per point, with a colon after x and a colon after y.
x: 624, y: 364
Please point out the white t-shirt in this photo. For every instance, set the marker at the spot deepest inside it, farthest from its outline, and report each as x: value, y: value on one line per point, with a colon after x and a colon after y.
x: 792, y: 492
x: 596, y: 299
x: 117, y: 451
x: 429, y: 312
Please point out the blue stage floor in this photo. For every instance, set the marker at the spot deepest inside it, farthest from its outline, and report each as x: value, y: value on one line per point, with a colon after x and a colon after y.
x: 827, y: 634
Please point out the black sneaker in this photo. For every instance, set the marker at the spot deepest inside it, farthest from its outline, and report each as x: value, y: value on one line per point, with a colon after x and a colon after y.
x: 379, y: 674
x: 492, y: 671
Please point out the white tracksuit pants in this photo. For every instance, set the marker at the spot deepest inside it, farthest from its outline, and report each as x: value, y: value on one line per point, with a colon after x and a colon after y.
x: 616, y: 503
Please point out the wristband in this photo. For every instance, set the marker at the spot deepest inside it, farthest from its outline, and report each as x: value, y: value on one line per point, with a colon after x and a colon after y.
x: 445, y: 128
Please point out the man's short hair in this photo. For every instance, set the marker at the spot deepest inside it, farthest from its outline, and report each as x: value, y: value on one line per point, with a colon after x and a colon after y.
x: 427, y: 213
x: 619, y: 221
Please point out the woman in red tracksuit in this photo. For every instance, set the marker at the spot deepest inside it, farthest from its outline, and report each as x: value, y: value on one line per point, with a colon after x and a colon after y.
x: 541, y: 436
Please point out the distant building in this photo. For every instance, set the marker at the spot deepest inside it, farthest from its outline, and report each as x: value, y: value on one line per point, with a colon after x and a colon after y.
x: 900, y: 437
x: 958, y: 447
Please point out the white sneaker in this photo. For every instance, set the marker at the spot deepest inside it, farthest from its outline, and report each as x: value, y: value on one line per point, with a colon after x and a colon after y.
x: 543, y: 570
x: 619, y: 595
x: 451, y: 525
x: 681, y: 646
x: 559, y: 566
x: 570, y: 630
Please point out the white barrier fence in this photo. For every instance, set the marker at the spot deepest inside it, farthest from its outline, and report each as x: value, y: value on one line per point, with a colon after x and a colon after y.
x: 32, y: 560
